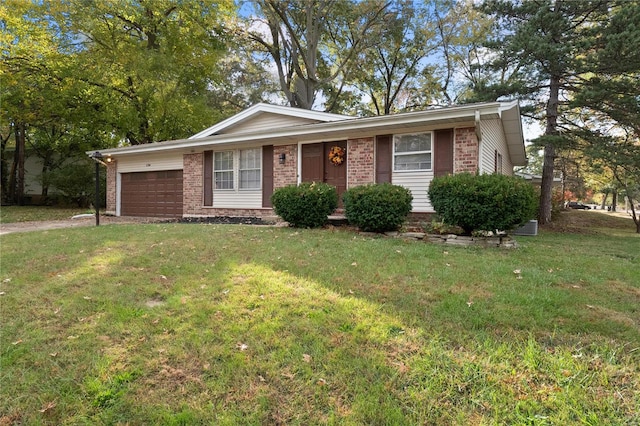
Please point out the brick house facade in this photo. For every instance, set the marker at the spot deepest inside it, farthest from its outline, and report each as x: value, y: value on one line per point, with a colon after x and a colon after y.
x: 217, y: 168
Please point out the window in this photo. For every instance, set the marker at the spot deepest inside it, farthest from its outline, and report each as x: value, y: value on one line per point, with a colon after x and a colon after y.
x: 223, y: 170
x: 250, y: 163
x: 497, y: 162
x: 237, y: 169
x: 412, y: 152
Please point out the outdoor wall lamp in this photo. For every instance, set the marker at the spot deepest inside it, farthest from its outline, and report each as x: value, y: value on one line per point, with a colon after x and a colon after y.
x: 283, y: 158
x: 97, y: 157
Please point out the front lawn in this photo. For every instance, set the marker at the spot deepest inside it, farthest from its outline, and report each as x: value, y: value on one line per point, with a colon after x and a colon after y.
x: 228, y: 324
x: 12, y: 214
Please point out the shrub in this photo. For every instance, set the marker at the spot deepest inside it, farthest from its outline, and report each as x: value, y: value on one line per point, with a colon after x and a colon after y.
x: 377, y: 207
x: 306, y: 205
x: 482, y: 202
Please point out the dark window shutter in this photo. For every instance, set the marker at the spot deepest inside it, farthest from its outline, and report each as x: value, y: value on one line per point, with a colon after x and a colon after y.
x: 384, y: 156
x: 208, y: 178
x: 267, y: 175
x: 443, y: 156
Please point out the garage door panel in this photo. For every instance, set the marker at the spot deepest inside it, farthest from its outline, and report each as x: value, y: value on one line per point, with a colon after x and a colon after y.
x: 156, y: 194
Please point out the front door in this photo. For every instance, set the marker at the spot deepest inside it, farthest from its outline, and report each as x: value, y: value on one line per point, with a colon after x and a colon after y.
x: 317, y: 165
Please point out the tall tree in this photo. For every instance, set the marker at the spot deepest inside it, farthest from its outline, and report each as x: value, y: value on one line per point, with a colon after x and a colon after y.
x: 153, y: 60
x: 313, y: 42
x: 389, y: 72
x: 544, y: 41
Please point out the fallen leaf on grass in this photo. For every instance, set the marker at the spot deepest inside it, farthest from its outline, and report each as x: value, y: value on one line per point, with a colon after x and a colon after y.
x: 242, y: 346
x: 306, y: 357
x: 53, y: 354
x: 87, y: 297
x: 162, y: 277
x: 354, y: 264
x: 262, y: 379
x: 50, y: 406
x: 469, y: 303
x: 288, y: 375
x: 517, y: 271
x: 2, y: 293
x: 17, y: 342
x: 6, y: 280
x: 322, y: 381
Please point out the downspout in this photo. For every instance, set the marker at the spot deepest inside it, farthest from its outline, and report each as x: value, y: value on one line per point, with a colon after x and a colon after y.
x: 479, y: 137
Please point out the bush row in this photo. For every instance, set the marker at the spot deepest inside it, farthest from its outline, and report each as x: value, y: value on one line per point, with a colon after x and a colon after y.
x: 471, y: 202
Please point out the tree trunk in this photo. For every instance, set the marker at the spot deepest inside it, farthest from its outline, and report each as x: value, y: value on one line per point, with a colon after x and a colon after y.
x: 614, y: 200
x: 546, y: 186
x: 604, y: 200
x: 16, y: 176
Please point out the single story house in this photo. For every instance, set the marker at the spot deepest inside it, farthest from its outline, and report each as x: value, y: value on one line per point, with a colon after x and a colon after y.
x: 233, y: 167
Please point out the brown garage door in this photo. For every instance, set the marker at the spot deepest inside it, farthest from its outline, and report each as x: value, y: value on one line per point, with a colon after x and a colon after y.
x: 156, y: 194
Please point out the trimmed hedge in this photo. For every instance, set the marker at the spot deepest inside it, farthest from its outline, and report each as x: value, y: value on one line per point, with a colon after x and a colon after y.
x: 306, y: 205
x: 377, y: 207
x: 483, y: 202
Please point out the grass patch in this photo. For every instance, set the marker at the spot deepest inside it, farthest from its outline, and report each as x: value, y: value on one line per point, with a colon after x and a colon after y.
x: 13, y: 214
x: 217, y: 324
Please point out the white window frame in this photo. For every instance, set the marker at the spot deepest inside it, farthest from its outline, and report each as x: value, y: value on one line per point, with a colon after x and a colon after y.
x: 216, y: 172
x: 396, y: 139
x: 236, y: 170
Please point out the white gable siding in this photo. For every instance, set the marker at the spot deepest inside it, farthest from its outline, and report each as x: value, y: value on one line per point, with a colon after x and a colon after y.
x: 418, y: 184
x: 493, y: 139
x: 150, y: 163
x: 266, y: 121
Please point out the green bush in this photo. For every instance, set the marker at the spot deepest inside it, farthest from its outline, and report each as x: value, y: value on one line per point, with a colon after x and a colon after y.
x: 483, y: 202
x: 377, y: 207
x: 306, y: 205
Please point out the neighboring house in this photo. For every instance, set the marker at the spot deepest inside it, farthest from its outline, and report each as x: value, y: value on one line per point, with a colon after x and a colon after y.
x: 232, y: 168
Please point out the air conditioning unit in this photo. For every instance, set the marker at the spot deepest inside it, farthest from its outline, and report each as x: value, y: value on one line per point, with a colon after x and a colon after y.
x: 530, y: 228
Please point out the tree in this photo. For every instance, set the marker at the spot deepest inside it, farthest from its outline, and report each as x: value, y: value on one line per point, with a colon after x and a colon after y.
x: 314, y: 43
x: 543, y: 42
x: 389, y: 72
x: 153, y: 62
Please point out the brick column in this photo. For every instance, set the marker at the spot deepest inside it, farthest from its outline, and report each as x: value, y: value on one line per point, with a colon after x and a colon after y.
x: 465, y: 150
x: 287, y: 173
x: 360, y: 162
x: 112, y: 173
x: 192, y: 183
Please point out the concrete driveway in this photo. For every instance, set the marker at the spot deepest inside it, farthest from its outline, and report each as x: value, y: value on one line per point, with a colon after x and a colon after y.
x: 9, y: 228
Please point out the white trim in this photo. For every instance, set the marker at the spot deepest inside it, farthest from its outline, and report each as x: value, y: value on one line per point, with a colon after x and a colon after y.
x: 508, y: 112
x: 274, y: 109
x: 118, y: 193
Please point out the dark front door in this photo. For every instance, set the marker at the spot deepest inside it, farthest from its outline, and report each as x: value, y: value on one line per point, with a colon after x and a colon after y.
x: 316, y: 166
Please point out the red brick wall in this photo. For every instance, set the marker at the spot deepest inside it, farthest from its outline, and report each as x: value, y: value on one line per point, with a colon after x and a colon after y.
x: 360, y: 162
x: 192, y: 184
x: 287, y: 173
x: 465, y: 150
x: 112, y: 172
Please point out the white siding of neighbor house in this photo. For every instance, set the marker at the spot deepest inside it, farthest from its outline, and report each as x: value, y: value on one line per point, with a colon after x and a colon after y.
x: 237, y: 200
x: 150, y: 163
x: 493, y: 139
x: 418, y: 184
x: 266, y: 121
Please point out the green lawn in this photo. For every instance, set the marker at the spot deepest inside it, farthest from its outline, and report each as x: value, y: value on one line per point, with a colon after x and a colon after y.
x: 12, y: 214
x: 184, y: 324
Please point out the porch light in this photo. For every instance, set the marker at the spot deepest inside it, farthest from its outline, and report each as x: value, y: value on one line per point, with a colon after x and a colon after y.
x: 97, y: 157
x: 283, y: 158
